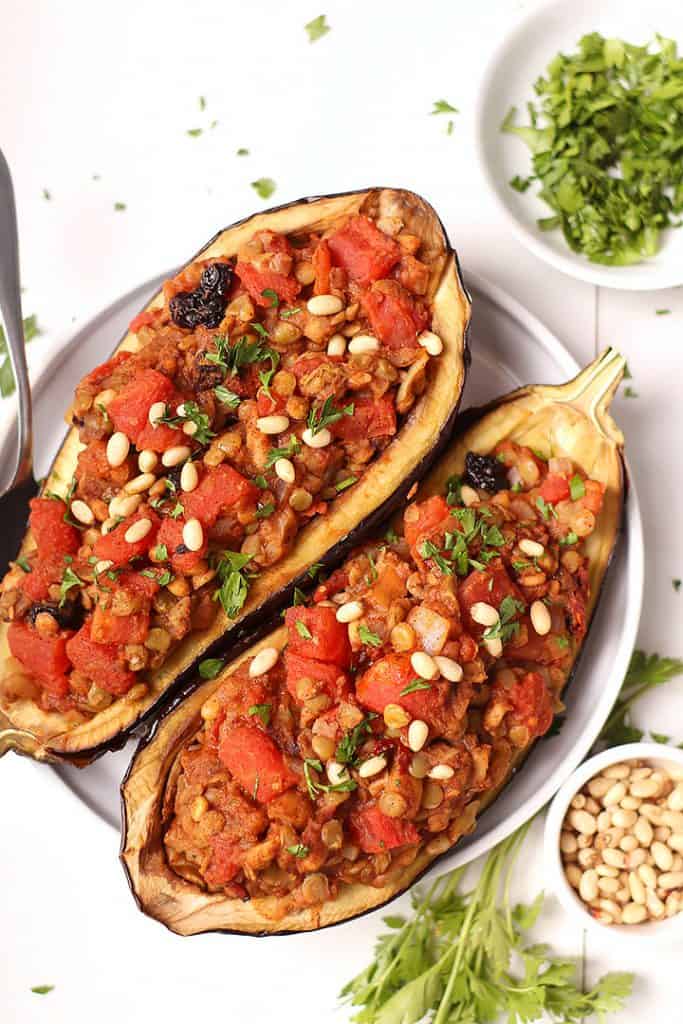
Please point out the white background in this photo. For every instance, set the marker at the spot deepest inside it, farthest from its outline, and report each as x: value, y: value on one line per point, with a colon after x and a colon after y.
x: 88, y: 88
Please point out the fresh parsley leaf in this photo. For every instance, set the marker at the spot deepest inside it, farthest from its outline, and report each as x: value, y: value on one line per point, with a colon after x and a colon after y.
x: 507, y: 626
x: 630, y: 393
x: 191, y: 414
x: 390, y: 536
x: 520, y: 184
x: 444, y: 107
x: 264, y: 511
x: 317, y: 28
x: 261, y: 482
x: 323, y: 416
x: 120, y: 207
x: 210, y: 667
x: 227, y: 397
x: 268, y: 293
x: 414, y: 685
x: 288, y: 451
x: 303, y: 630
x: 545, y: 508
x: 242, y: 151
x: 645, y: 672
x: 194, y: 133
x: 675, y: 583
x: 368, y: 637
x: 298, y: 597
x: 662, y: 312
x: 233, y: 581
x: 202, y: 102
x: 69, y: 581
x: 660, y: 737
x: 299, y: 850
x: 46, y: 194
x: 569, y: 538
x: 176, y: 511
x: 429, y: 550
x: 264, y: 187
x: 314, y: 569
x: 160, y: 553
x: 262, y: 711
x: 23, y: 564
x: 347, y: 748
x: 577, y: 488
x: 42, y: 990
x: 286, y: 313
x: 345, y: 484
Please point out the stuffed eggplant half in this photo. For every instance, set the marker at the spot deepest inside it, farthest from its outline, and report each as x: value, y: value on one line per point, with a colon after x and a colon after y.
x: 280, y: 394
x: 324, y: 769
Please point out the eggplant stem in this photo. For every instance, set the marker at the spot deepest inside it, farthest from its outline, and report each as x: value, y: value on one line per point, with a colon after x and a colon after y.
x: 592, y: 391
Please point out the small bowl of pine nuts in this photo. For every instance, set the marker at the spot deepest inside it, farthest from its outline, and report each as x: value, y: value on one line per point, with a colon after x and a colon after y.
x: 614, y: 841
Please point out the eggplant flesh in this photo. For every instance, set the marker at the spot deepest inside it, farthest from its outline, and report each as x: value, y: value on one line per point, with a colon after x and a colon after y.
x: 571, y: 420
x: 53, y: 736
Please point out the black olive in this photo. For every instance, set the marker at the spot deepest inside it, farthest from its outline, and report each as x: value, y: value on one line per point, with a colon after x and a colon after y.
x: 485, y: 472
x: 68, y: 616
x: 206, y: 304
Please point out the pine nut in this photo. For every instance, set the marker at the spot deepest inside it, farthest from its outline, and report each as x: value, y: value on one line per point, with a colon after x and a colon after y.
x: 625, y: 819
x: 616, y: 771
x: 350, y: 611
x: 588, y: 858
x: 324, y: 305
x: 640, y: 771
x: 642, y: 830
x: 630, y: 803
x: 648, y: 876
x: 673, y: 904
x: 336, y: 346
x: 431, y: 342
x: 363, y: 344
x: 628, y: 843
x: 424, y: 665
x: 137, y: 531
x: 671, y: 880
x: 583, y: 841
x: 608, y: 885
x: 441, y: 772
x: 622, y: 895
x: 140, y: 484
x: 263, y: 662
x: 578, y: 802
x: 285, y: 471
x: 108, y: 525
x: 118, y: 447
x: 157, y: 411
x: 604, y: 821
x: 611, y: 908
x: 103, y: 398
x: 147, y: 460
x: 652, y: 812
x: 654, y: 904
x: 540, y: 618
x: 418, y: 731
x: 645, y: 788
x: 615, y: 858
x: 598, y: 786
x: 483, y: 613
x: 272, y: 424
x: 189, y: 477
x: 124, y: 505
x: 174, y: 456
x: 674, y: 819
x: 82, y: 512
x: 675, y: 841
x: 418, y: 766
x: 468, y: 496
x: 588, y: 886
x: 494, y: 647
x: 636, y: 858
x: 300, y: 499
x: 573, y: 875
x: 675, y: 799
x: 373, y: 766
x: 633, y: 913
x: 583, y: 822
x: 102, y: 566
x: 449, y: 668
x: 592, y: 805
x: 193, y: 535
x: 637, y: 888
x: 663, y: 856
x: 534, y: 550
x: 336, y: 772
x: 607, y: 871
x: 319, y: 440
x: 614, y: 794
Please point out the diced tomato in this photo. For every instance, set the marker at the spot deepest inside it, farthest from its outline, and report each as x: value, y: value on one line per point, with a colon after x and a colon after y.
x: 219, y: 490
x: 372, y: 417
x: 44, y: 572
x: 393, y: 316
x: 114, y: 547
x: 322, y: 264
x: 225, y: 860
x: 100, y: 662
x: 44, y: 657
x: 333, y: 679
x: 375, y: 832
x: 384, y: 681
x: 542, y: 650
x: 129, y: 411
x: 94, y: 474
x: 307, y: 363
x: 554, y: 488
x: 336, y: 582
x: 138, y: 584
x: 532, y: 704
x: 329, y: 639
x: 52, y: 535
x: 107, y: 628
x: 255, y: 761
x: 144, y: 319
x: 104, y: 370
x: 171, y: 534
x: 256, y: 280
x: 365, y: 252
x: 424, y: 518
x: 161, y: 437
x: 489, y: 586
x: 269, y: 402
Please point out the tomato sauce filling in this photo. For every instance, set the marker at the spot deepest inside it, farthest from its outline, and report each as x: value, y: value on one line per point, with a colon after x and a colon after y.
x: 405, y: 689
x: 261, y: 390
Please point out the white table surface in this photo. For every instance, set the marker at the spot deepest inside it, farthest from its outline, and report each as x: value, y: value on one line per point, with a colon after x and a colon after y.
x: 111, y: 90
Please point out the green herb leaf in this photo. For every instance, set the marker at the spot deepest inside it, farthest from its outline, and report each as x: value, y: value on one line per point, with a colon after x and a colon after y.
x: 577, y: 488
x: 317, y: 28
x: 23, y: 564
x: 346, y: 752
x: 160, y: 553
x: 46, y: 194
x: 42, y: 990
x: 69, y: 581
x: 675, y: 583
x: 268, y: 293
x: 323, y: 416
x: 303, y: 630
x: 286, y: 313
x: 31, y: 331
x: 414, y: 685
x: 368, y: 637
x: 345, y: 484
x: 264, y: 511
x: 444, y: 107
x: 298, y: 851
x: 645, y: 672
x: 210, y: 667
x: 288, y: 451
x: 262, y: 711
x: 662, y: 312
x: 119, y: 207
x: 194, y: 133
x: 242, y: 151
x: 630, y: 393
x: 233, y: 581
x: 264, y: 187
x: 227, y: 397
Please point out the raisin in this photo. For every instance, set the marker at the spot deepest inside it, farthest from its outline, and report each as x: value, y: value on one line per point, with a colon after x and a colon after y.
x: 485, y: 472
x: 67, y: 616
x: 207, y: 376
x: 206, y: 304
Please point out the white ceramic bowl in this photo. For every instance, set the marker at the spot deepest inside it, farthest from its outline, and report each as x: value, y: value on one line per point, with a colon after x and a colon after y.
x: 514, y: 66
x: 668, y: 758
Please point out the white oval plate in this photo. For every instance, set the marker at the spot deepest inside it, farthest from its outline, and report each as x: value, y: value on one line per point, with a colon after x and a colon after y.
x: 519, y: 60
x: 509, y: 347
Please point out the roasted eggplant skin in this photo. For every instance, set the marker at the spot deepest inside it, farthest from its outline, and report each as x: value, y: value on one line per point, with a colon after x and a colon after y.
x: 426, y: 429
x: 574, y: 419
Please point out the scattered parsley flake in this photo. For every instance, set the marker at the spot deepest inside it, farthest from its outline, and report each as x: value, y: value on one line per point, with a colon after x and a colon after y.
x: 317, y: 28
x: 47, y: 194
x: 69, y: 581
x: 662, y: 312
x: 577, y: 488
x: 630, y: 393
x: 323, y: 416
x: 118, y: 206
x: 233, y: 582
x: 369, y: 638
x: 303, y: 630
x: 202, y: 103
x: 344, y: 484
x: 194, y: 133
x: 262, y: 711
x: 31, y: 331
x: 444, y: 107
x: 42, y: 990
x: 414, y: 685
x: 242, y: 151
x: 676, y: 584
x: 298, y: 851
x: 227, y: 397
x: 264, y: 187
x: 269, y: 293
x: 210, y: 667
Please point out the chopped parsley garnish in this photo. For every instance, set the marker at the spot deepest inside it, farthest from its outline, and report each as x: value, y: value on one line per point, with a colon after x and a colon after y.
x: 602, y: 138
x: 303, y: 630
x: 430, y: 550
x: 577, y: 488
x: 562, y: 641
x: 369, y: 638
x: 191, y: 414
x: 120, y: 206
x: 323, y: 416
x: 662, y: 312
x: 160, y: 553
x: 176, y: 511
x: 210, y: 667
x: 630, y: 393
x: 390, y: 536
x: 261, y: 482
x: 263, y: 511
x: 545, y: 508
x: 315, y: 787
x: 293, y: 447
x: 298, y: 851
x: 202, y: 102
x: 443, y: 107
x: 264, y: 187
x: 453, y: 488
x: 414, y: 685
x: 507, y: 626
x: 676, y: 584
x: 194, y: 133
x: 298, y: 596
x: 268, y: 293
x: 262, y: 711
x: 243, y: 353
x: 69, y: 581
x: 242, y: 151
x: 314, y: 569
x: 347, y: 748
x: 317, y: 28
x: 344, y: 484
x: 42, y: 990
x: 22, y: 563
x: 46, y: 194
x: 286, y: 313
x: 570, y: 538
x: 233, y: 582
x: 227, y: 397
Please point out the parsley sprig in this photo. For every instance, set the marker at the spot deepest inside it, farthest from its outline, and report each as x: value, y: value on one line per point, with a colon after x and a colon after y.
x: 645, y: 672
x: 321, y: 416
x: 233, y: 581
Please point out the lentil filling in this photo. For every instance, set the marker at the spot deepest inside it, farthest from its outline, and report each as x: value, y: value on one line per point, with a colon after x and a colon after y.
x: 421, y: 668
x: 259, y: 392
